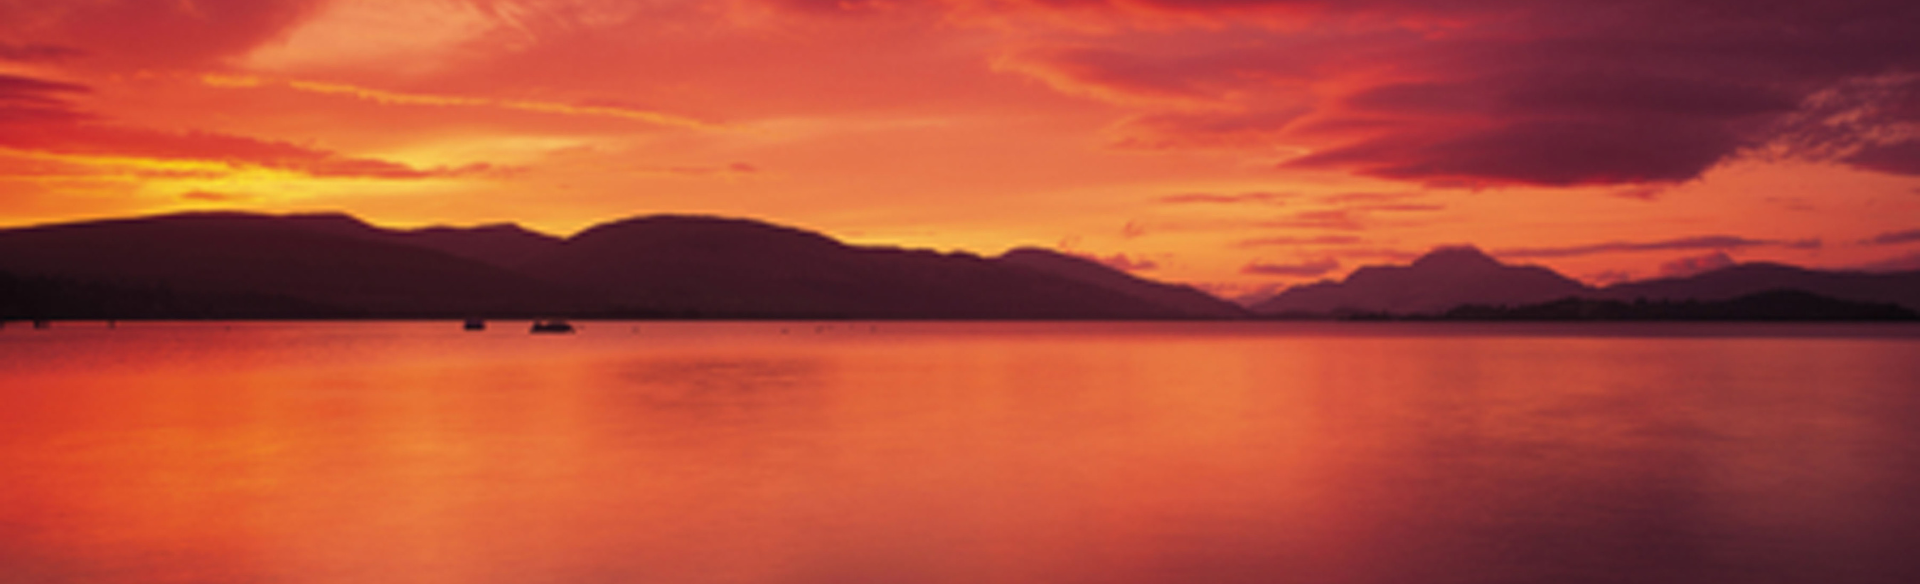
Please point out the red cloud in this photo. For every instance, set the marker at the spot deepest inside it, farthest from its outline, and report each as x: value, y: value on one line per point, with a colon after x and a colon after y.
x: 1894, y: 238
x: 734, y: 168
x: 25, y: 99
x: 1189, y: 79
x: 28, y: 89
x: 1339, y: 219
x: 1120, y: 261
x: 114, y: 141
x: 1223, y: 198
x: 145, y: 33
x: 1296, y: 270
x: 1711, y: 242
x: 1298, y: 241
x: 1231, y: 129
x: 1556, y: 153
x: 1689, y: 266
x: 209, y: 196
x: 1899, y: 158
x: 36, y: 117
x: 1493, y: 92
x: 37, y: 52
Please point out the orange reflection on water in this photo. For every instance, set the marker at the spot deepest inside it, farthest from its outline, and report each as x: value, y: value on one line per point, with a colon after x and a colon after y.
x: 889, y: 452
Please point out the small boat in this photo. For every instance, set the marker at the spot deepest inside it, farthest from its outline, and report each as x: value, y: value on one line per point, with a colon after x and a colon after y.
x: 42, y: 324
x: 474, y: 324
x: 551, y: 326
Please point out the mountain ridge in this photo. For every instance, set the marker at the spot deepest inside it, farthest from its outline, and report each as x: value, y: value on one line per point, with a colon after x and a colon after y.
x: 324, y: 262
x: 692, y: 263
x: 1443, y: 278
x: 1452, y: 277
x: 334, y: 265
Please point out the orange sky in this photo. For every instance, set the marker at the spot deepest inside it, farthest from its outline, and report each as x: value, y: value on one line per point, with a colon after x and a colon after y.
x: 1239, y: 145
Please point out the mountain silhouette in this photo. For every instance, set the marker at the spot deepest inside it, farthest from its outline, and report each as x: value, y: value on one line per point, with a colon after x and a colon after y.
x: 1901, y: 288
x: 712, y: 266
x: 242, y: 265
x: 1189, y: 301
x: 1441, y: 280
x: 1456, y: 277
x: 329, y: 264
x: 503, y: 245
x: 1771, y: 305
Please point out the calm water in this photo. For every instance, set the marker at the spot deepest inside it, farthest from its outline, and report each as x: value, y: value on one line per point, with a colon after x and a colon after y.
x: 852, y: 453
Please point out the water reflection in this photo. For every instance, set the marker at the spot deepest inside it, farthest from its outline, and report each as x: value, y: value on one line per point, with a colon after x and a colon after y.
x: 413, y: 452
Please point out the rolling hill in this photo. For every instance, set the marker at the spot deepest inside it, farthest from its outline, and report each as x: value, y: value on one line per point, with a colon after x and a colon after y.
x: 1448, y: 278
x: 242, y: 265
x: 710, y: 266
x: 1436, y: 282
x: 331, y: 265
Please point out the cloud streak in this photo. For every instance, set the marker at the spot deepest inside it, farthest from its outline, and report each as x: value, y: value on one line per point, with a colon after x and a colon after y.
x: 137, y: 34
x: 1710, y: 242
x: 31, y: 53
x: 1266, y: 198
x: 27, y: 99
x: 1692, y: 265
x: 1297, y: 241
x: 1333, y: 219
x: 425, y: 99
x: 1125, y: 263
x: 38, y: 120
x: 1894, y: 238
x: 1306, y: 269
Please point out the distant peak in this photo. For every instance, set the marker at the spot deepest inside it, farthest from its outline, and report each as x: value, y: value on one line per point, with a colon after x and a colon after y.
x: 497, y: 228
x: 1029, y: 252
x: 327, y: 218
x: 710, y: 227
x: 708, y: 221
x: 1455, y: 257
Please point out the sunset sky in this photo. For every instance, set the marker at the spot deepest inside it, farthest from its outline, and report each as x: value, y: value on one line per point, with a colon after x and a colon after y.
x: 1238, y: 145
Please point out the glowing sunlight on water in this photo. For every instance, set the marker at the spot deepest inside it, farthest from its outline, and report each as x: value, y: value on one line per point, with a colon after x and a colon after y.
x: 846, y: 452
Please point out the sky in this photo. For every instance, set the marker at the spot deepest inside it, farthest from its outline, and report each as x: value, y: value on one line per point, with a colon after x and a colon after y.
x: 1237, y: 145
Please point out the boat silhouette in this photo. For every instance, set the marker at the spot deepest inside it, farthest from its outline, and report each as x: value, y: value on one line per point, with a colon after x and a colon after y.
x: 551, y: 326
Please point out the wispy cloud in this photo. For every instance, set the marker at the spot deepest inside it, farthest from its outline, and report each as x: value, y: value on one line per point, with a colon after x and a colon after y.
x: 1225, y: 198
x: 1306, y: 269
x: 1125, y: 263
x: 1893, y: 238
x: 1338, y: 219
x: 43, y: 123
x: 1691, y: 265
x: 427, y: 99
x: 1716, y: 242
x: 737, y: 168
x: 1542, y: 93
x: 1297, y: 241
x: 29, y: 53
x: 1365, y: 197
x: 1401, y: 207
x: 29, y: 99
x: 210, y: 196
